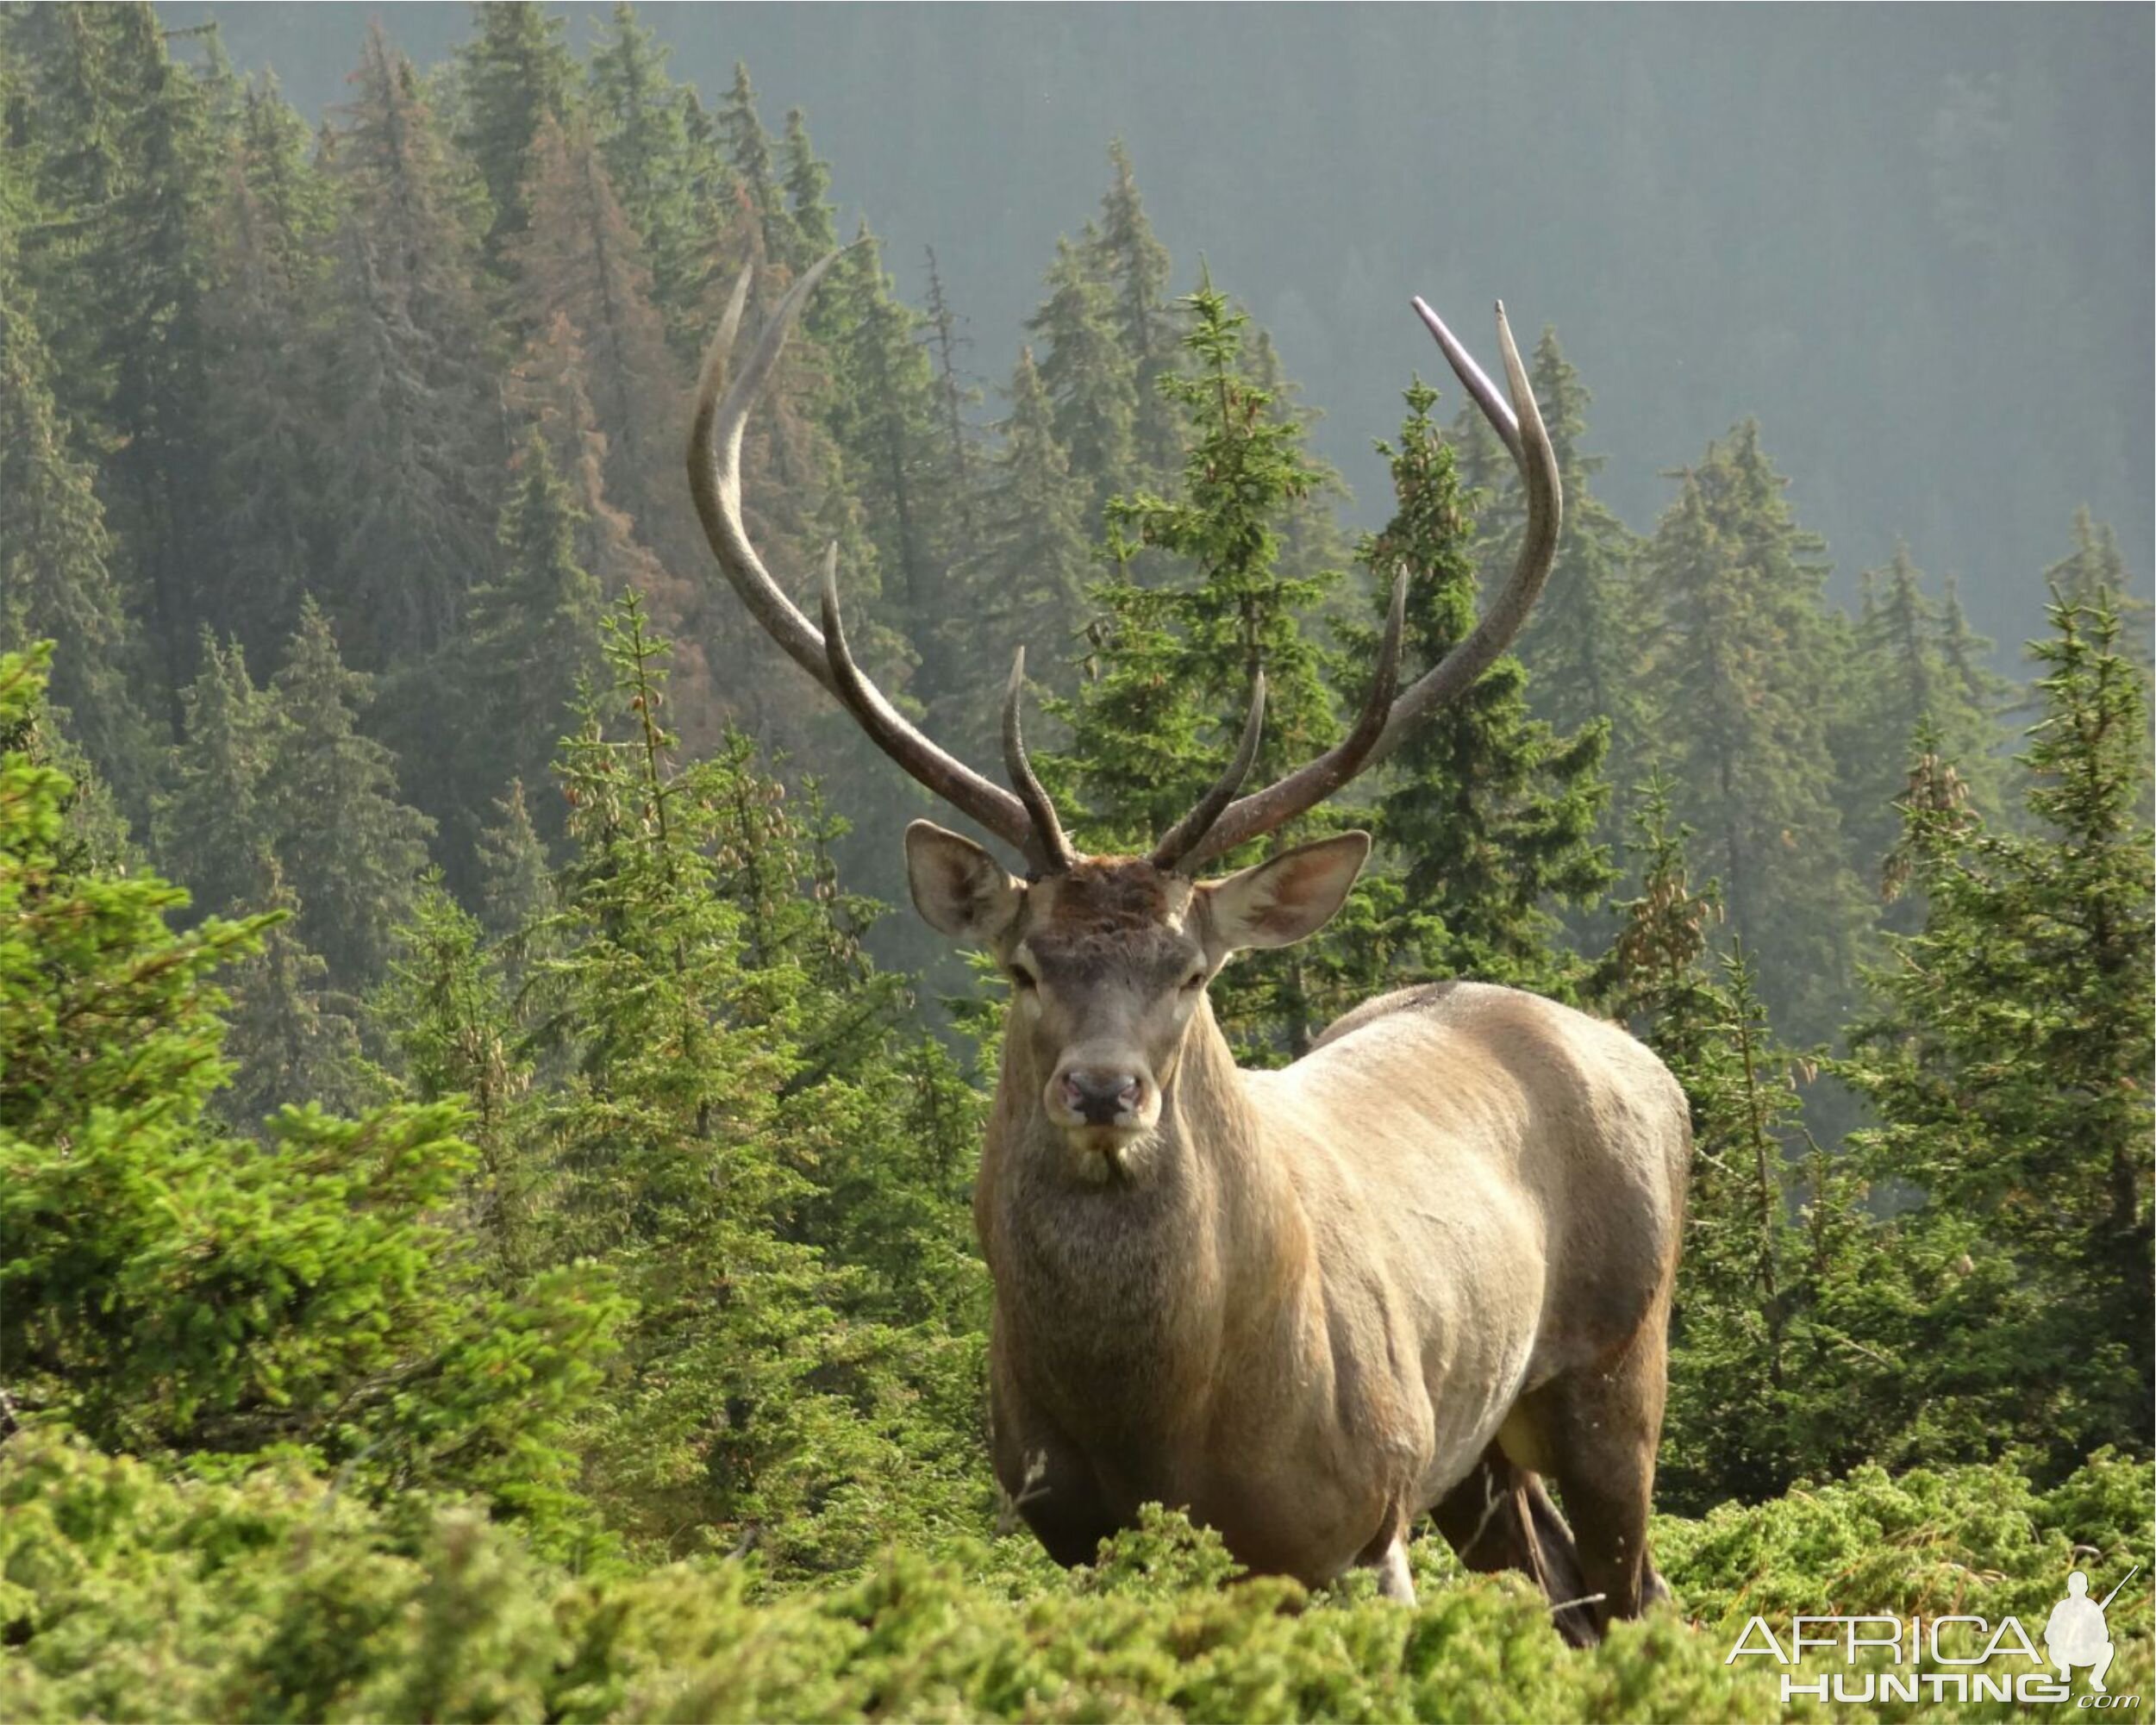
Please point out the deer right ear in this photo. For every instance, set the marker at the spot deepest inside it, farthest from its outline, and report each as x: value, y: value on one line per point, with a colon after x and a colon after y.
x: 958, y: 889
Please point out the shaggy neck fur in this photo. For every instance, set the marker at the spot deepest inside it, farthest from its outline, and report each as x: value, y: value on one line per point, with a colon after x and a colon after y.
x: 1124, y: 1298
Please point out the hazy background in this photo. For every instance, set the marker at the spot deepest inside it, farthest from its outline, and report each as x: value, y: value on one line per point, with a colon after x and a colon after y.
x: 1914, y: 240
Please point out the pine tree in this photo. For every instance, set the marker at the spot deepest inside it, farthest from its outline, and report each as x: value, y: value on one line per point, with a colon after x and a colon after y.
x: 1089, y: 375
x: 56, y: 579
x: 514, y: 75
x: 215, y: 823
x: 666, y: 179
x: 353, y: 852
x: 1490, y: 815
x: 1135, y: 265
x: 1731, y: 587
x: 581, y: 259
x: 1026, y: 579
x: 292, y: 1039
x: 418, y: 427
x: 273, y: 239
x: 1176, y: 661
x: 2003, y: 1060
x: 532, y: 637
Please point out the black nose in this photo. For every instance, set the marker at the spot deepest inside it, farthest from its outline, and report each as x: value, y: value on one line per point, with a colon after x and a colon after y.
x: 1099, y: 1097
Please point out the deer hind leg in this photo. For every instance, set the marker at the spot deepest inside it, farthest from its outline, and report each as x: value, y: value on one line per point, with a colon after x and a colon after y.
x: 1500, y: 1517
x: 1601, y: 1426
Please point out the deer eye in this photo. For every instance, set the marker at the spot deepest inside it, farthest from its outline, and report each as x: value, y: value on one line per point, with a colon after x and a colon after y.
x: 1024, y: 979
x: 1195, y: 979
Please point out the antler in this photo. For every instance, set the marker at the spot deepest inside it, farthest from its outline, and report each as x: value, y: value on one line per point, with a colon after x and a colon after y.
x: 1385, y: 722
x: 715, y: 477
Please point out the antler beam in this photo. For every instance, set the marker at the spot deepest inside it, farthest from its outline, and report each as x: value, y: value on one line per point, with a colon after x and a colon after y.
x: 715, y: 477
x: 1521, y: 427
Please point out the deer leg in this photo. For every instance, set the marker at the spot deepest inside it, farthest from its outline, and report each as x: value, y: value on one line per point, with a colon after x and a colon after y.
x: 1048, y: 1482
x: 1387, y: 1555
x: 1500, y: 1517
x: 1601, y: 1427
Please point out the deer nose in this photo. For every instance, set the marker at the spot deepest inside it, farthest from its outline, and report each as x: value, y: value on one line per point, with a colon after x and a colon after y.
x: 1100, y: 1097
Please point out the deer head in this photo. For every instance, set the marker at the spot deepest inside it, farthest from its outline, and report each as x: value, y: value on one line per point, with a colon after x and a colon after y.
x: 1109, y: 956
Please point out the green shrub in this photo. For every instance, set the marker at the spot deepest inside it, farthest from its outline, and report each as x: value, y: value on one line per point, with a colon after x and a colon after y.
x: 275, y: 1596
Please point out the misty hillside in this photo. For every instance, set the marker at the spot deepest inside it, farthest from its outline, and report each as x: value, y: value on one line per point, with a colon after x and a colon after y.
x: 1914, y: 241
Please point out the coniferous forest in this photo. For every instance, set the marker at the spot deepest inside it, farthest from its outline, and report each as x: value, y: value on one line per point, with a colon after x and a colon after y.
x: 485, y: 1162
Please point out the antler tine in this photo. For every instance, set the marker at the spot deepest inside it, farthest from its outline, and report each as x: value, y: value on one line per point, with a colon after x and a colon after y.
x: 1472, y: 377
x: 1176, y: 843
x: 1522, y: 429
x: 859, y: 697
x: 715, y: 477
x: 1310, y: 786
x: 1054, y: 851
x: 1458, y: 671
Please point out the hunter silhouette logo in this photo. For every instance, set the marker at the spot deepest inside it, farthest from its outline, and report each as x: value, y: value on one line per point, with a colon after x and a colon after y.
x: 2075, y: 1634
x: 1954, y: 1657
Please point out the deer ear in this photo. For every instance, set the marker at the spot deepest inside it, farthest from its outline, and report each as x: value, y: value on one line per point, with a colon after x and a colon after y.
x: 1287, y: 897
x: 958, y: 889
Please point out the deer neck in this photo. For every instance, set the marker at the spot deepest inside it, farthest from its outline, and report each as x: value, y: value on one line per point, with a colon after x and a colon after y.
x: 1120, y: 1298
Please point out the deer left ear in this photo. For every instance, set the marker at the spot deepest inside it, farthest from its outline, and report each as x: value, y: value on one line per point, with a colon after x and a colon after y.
x: 1286, y: 899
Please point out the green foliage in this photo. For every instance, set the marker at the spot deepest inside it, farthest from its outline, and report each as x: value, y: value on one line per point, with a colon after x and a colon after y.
x: 165, y: 1288
x: 1732, y: 588
x: 1176, y: 661
x: 647, y: 1239
x: 125, y: 1596
x: 1489, y: 815
x: 2008, y: 1061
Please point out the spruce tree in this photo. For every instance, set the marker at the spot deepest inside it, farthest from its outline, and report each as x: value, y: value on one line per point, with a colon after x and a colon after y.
x: 124, y: 274
x: 749, y: 153
x: 353, y: 851
x: 532, y: 636
x: 2002, y: 1060
x: 1176, y: 661
x: 1488, y: 815
x: 1025, y: 582
x: 214, y: 822
x: 269, y: 320
x: 417, y: 420
x: 2095, y: 566
x: 955, y: 398
x: 293, y: 1041
x: 516, y: 889
x: 665, y: 177
x: 1135, y: 265
x: 514, y: 75
x: 1918, y: 674
x: 56, y: 576
x: 581, y: 259
x: 708, y: 1034
x: 1087, y: 373
x: 1731, y: 590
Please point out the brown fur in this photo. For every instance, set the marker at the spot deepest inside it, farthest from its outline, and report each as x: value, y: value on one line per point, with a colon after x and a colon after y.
x: 1416, y: 1271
